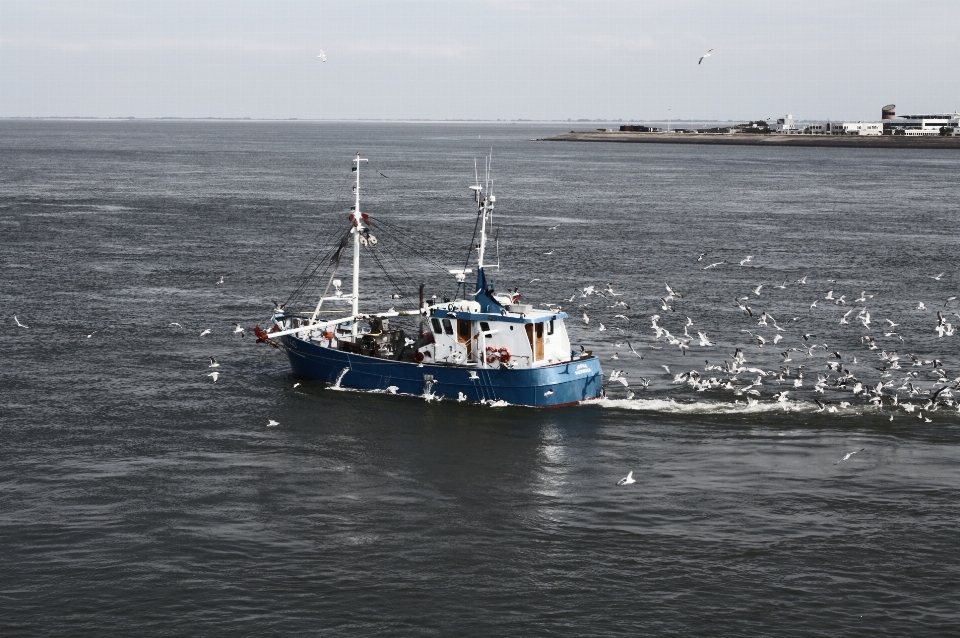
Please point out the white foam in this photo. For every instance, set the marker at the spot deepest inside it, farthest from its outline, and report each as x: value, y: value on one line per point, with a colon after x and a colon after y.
x: 672, y: 406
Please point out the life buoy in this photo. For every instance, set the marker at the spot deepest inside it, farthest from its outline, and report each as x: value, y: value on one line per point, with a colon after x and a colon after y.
x: 504, y: 355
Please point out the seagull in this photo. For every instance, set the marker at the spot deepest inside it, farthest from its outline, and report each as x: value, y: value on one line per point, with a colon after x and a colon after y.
x: 634, y: 351
x: 473, y: 375
x: 849, y: 454
x: 936, y: 277
x: 548, y: 393
x: 92, y: 333
x: 18, y: 322
x: 272, y: 424
x: 238, y: 330
x: 213, y: 363
x: 601, y: 328
x: 756, y: 290
x: 704, y: 341
x: 627, y: 480
x: 671, y: 292
x: 700, y: 258
x: 549, y: 253
x: 554, y: 227
x: 586, y: 319
x: 205, y: 332
x: 220, y: 281
x: 719, y: 263
x: 177, y: 325
x: 667, y: 368
x: 296, y: 384
x: 705, y: 55
x: 746, y: 260
x: 920, y: 306
x: 215, y: 375
x: 322, y: 56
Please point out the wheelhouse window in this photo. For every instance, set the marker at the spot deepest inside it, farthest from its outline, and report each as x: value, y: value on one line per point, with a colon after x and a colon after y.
x: 436, y: 326
x: 550, y: 327
x: 447, y: 327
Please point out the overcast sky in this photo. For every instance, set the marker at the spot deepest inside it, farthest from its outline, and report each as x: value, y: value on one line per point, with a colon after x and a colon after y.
x: 512, y: 59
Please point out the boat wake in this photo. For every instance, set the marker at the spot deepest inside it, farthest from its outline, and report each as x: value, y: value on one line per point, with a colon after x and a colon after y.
x: 672, y: 406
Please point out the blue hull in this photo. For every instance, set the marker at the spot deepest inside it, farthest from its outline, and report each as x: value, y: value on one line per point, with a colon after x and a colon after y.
x: 551, y: 386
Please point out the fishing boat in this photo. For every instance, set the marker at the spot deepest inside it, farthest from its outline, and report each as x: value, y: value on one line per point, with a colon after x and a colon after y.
x: 479, y: 346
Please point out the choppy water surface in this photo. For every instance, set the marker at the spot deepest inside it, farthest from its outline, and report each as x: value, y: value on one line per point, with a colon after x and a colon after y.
x: 137, y: 496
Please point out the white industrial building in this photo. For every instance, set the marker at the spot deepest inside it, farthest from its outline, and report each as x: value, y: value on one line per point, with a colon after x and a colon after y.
x: 921, y: 124
x: 843, y: 128
x: 787, y: 125
x: 891, y: 124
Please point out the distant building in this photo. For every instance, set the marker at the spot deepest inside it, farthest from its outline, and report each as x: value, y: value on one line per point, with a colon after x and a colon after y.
x: 921, y: 124
x: 787, y: 125
x: 856, y: 128
x: 843, y: 128
x: 638, y: 128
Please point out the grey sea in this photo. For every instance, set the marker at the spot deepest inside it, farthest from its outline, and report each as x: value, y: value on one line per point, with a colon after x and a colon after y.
x: 138, y: 496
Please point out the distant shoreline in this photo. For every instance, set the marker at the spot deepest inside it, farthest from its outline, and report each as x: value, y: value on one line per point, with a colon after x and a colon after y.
x: 772, y: 139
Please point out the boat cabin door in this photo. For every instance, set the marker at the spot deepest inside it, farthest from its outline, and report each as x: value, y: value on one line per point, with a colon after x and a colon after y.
x: 535, y: 337
x: 463, y: 336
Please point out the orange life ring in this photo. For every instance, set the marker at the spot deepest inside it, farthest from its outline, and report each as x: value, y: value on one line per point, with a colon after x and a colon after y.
x: 491, y: 358
x: 504, y: 355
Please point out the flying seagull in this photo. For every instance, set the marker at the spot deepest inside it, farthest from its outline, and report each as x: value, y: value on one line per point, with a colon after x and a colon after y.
x: 705, y: 55
x: 627, y: 480
x: 322, y: 56
x: 18, y: 322
x: 272, y: 424
x: 849, y: 454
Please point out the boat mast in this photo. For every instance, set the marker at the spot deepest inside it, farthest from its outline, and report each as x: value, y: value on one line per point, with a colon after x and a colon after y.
x: 484, y: 207
x: 357, y: 228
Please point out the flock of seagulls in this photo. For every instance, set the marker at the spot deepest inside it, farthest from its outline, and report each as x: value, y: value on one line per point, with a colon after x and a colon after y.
x: 837, y: 351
